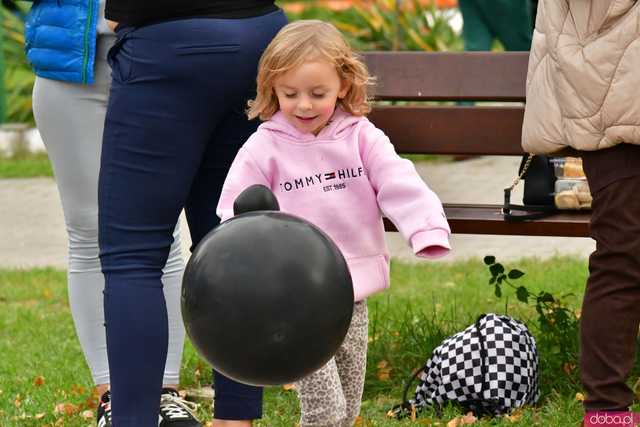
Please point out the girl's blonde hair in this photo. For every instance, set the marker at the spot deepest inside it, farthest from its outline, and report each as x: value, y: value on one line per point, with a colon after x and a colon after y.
x: 307, y: 40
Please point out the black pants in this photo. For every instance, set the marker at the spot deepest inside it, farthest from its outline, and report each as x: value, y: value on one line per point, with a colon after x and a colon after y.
x: 611, y: 307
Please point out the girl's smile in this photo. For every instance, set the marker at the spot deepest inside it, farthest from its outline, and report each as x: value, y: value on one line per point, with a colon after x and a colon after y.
x: 307, y: 94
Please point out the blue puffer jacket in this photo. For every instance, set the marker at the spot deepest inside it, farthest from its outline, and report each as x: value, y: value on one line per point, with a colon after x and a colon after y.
x: 60, y: 39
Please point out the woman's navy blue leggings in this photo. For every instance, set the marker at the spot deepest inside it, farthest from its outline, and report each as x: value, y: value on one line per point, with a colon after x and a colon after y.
x: 174, y: 123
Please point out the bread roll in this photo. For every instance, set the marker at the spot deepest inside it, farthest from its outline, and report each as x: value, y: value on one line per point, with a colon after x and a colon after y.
x: 567, y: 200
x: 573, y: 170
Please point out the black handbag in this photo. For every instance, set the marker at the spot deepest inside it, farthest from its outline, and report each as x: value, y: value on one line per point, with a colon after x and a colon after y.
x: 538, y: 199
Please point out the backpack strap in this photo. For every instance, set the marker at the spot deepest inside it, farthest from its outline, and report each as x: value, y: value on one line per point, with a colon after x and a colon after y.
x: 406, y: 408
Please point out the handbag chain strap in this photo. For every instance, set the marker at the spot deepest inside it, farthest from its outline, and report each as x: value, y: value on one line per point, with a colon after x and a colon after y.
x: 524, y: 170
x: 536, y: 212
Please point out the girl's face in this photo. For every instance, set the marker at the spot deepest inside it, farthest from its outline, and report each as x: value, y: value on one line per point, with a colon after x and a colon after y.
x: 308, y: 94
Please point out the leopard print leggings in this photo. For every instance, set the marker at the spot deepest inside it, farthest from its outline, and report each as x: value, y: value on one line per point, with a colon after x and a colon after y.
x: 331, y: 396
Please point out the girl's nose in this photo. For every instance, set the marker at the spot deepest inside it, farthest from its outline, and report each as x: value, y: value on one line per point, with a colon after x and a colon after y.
x: 304, y: 104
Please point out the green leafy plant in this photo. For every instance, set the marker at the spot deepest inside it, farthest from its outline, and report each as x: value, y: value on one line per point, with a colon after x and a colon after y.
x: 18, y: 77
x: 557, y: 322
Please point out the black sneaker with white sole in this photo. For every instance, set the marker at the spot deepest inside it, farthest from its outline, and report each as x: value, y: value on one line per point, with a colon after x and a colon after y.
x: 103, y: 415
x: 175, y: 411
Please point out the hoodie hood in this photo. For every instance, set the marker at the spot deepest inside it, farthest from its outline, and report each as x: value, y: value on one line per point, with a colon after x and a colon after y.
x: 340, y: 124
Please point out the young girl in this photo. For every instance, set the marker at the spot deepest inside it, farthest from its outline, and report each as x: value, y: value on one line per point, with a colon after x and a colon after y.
x: 327, y: 163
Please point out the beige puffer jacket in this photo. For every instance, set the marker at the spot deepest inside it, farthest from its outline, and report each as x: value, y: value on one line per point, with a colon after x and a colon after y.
x: 583, y: 82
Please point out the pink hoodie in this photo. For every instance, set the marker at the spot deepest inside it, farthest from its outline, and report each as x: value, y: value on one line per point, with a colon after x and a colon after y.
x: 343, y: 180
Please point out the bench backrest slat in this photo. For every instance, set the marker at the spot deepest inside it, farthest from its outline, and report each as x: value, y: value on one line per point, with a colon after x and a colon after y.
x: 479, y: 76
x: 451, y: 130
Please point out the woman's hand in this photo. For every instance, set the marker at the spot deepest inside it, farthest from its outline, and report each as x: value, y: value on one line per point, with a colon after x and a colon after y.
x: 112, y: 25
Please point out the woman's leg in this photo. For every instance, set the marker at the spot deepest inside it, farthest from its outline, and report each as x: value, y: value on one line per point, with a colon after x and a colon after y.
x: 171, y: 83
x: 610, y: 309
x: 233, y: 401
x: 235, y: 404
x: 70, y: 118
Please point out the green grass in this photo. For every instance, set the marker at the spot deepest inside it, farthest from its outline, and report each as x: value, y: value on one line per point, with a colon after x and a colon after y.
x: 42, y: 365
x: 25, y: 166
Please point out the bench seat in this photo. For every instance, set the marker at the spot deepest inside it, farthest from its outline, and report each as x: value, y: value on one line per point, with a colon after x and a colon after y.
x: 410, y: 82
x: 488, y: 219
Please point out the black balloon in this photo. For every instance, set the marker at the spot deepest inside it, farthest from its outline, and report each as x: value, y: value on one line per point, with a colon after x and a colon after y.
x: 267, y: 298
x: 255, y: 198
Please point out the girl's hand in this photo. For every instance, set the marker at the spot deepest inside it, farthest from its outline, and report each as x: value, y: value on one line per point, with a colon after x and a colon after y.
x: 112, y: 25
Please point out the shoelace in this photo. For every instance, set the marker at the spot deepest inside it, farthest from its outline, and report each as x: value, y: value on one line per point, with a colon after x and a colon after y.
x: 176, y: 408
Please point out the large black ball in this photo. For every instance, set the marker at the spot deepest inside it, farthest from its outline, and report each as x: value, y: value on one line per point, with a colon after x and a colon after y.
x: 267, y: 298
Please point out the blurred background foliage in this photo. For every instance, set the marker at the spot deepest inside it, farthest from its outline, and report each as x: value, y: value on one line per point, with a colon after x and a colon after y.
x: 368, y: 25
x: 386, y: 24
x: 18, y: 77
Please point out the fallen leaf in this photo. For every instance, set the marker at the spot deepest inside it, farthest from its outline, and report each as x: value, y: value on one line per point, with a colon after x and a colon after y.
x: 580, y: 397
x: 65, y: 409
x: 384, y: 374
x: 358, y: 422
x: 568, y: 368
x: 78, y: 390
x: 453, y: 423
x: 38, y: 381
x: 47, y: 294
x: 384, y: 371
x: 39, y: 416
x: 87, y: 415
x: 515, y: 416
x: 288, y: 387
x: 469, y: 418
x: 18, y: 401
x: 92, y: 400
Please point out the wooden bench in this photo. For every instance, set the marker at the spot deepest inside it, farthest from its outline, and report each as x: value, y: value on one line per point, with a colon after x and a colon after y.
x: 462, y: 130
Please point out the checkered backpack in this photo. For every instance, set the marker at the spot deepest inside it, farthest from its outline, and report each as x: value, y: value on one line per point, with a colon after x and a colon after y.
x: 490, y: 368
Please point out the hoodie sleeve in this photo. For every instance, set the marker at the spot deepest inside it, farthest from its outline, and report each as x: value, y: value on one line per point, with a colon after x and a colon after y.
x: 243, y: 173
x: 404, y: 198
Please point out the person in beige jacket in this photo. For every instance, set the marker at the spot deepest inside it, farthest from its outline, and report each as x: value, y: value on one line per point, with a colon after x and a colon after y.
x: 582, y: 91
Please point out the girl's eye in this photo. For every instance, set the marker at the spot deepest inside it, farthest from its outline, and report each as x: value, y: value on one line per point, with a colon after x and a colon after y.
x: 290, y: 95
x: 318, y: 95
